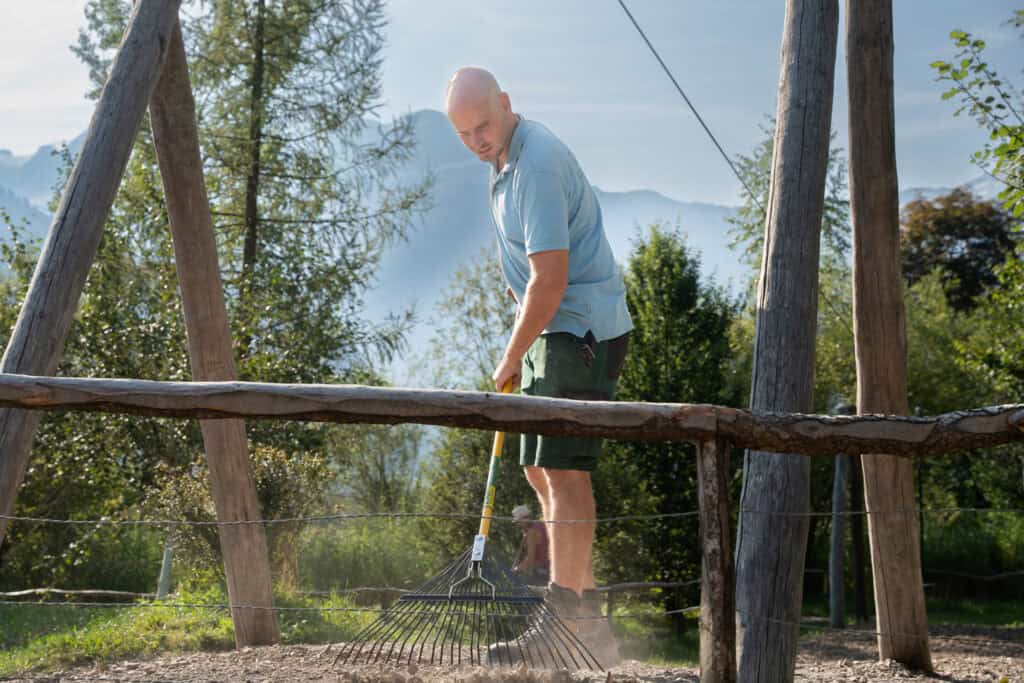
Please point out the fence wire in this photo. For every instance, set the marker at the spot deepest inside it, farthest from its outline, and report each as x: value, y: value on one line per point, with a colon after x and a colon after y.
x: 350, y: 516
x: 226, y: 607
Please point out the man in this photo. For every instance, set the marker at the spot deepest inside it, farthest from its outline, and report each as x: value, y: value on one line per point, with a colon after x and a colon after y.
x: 572, y: 326
x: 533, y: 561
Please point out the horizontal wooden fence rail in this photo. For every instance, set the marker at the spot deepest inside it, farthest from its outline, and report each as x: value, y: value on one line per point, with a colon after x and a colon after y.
x: 785, y: 433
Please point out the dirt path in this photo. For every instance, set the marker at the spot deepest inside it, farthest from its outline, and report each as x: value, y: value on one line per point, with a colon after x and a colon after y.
x: 963, y: 655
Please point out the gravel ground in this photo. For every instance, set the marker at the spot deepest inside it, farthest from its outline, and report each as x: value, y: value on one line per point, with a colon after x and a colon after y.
x: 961, y: 655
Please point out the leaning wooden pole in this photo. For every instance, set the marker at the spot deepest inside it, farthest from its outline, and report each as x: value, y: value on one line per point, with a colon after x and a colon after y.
x: 771, y: 542
x: 879, y: 331
x: 244, y: 546
x: 717, y: 575
x: 37, y: 341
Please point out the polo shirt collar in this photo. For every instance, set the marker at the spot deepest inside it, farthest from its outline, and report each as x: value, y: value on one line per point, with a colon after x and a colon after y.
x: 515, y: 147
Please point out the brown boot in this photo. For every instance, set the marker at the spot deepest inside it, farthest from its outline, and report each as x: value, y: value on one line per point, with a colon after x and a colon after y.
x: 564, y: 602
x: 594, y: 632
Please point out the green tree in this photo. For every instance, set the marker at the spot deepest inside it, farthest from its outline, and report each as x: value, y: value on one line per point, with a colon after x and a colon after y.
x: 747, y: 231
x: 962, y: 236
x: 304, y: 200
x: 996, y: 106
x: 993, y: 347
x: 678, y: 352
x: 288, y: 485
x: 377, y: 465
x: 301, y: 184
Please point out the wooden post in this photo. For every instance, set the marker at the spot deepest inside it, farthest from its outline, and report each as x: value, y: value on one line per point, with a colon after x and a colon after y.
x: 37, y: 341
x: 163, y: 585
x: 880, y: 334
x: 836, y: 582
x: 771, y: 547
x: 244, y: 546
x: 860, y: 593
x: 717, y: 576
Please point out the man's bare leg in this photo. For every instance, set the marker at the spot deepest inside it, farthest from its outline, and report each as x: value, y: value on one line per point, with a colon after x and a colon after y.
x: 571, y: 497
x: 539, y: 482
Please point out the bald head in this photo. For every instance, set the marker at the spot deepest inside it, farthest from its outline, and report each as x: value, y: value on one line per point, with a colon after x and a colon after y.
x: 480, y: 113
x: 471, y: 84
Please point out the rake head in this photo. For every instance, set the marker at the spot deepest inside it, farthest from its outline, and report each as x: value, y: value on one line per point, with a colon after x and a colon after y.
x: 474, y: 612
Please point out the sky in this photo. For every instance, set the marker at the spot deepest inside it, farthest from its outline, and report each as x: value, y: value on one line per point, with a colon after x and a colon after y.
x: 580, y: 67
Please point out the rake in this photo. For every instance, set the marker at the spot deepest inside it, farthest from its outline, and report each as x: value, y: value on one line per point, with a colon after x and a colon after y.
x: 474, y: 612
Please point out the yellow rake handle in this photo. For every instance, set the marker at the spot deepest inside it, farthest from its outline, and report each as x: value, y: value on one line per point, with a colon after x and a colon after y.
x: 492, y: 476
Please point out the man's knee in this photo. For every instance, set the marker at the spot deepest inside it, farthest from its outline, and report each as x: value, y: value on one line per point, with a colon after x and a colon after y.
x: 537, y: 479
x: 567, y: 480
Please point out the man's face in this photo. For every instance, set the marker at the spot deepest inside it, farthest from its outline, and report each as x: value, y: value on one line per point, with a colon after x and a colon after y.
x: 481, y: 125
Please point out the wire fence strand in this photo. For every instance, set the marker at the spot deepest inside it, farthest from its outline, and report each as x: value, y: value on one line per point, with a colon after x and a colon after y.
x: 351, y: 516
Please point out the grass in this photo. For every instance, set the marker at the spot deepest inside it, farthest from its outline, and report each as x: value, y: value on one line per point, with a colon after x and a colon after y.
x: 644, y: 633
x: 1005, y: 613
x: 48, y: 637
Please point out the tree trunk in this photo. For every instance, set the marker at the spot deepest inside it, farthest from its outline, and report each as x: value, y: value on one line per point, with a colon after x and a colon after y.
x: 252, y: 179
x: 771, y: 548
x: 880, y: 335
x: 37, y: 341
x: 243, y: 546
x: 836, y: 581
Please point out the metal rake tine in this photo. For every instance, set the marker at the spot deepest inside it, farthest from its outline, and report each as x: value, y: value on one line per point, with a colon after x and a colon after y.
x: 454, y: 629
x: 404, y: 615
x: 532, y: 615
x: 473, y: 633
x: 512, y: 636
x: 419, y: 615
x: 443, y: 627
x: 429, y: 624
x: 572, y: 643
x: 357, y: 640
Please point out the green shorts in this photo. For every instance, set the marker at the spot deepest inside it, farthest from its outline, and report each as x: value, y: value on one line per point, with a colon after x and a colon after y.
x: 562, y: 365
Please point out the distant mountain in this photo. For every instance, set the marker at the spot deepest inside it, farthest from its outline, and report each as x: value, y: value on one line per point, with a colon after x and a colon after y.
x: 22, y: 213
x: 983, y: 187
x: 33, y: 177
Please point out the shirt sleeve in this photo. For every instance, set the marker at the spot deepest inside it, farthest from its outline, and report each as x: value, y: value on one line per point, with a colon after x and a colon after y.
x: 544, y: 212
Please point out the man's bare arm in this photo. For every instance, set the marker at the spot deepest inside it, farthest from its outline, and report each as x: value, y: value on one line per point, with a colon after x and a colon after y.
x: 549, y: 276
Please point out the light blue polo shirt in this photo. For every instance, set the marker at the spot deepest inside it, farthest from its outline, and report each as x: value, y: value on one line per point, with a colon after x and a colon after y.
x: 540, y: 201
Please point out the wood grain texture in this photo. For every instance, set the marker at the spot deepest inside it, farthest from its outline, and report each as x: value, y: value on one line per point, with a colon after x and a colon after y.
x: 880, y: 330
x: 243, y: 547
x: 37, y: 340
x: 770, y: 549
x: 816, y: 435
x: 837, y: 546
x: 717, y: 595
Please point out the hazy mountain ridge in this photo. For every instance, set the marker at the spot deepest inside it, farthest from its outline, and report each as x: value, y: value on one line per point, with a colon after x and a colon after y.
x: 33, y: 177
x: 23, y: 214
